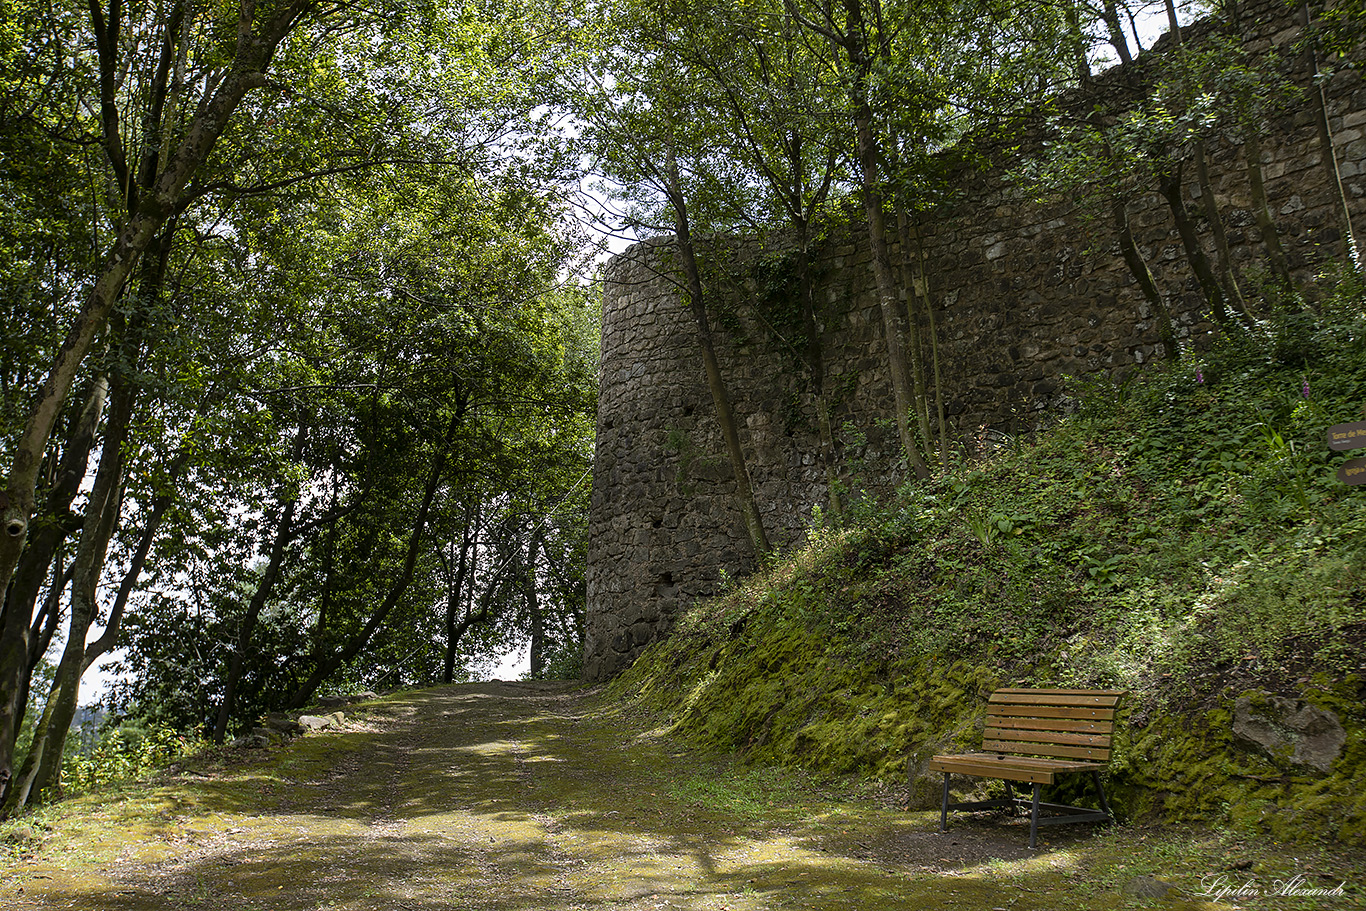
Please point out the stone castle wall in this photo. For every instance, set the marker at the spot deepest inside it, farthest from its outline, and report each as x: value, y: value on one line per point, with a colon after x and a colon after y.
x: 1025, y: 295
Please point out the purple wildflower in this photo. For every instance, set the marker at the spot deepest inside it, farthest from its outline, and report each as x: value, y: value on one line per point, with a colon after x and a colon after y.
x: 1199, y: 376
x: 1304, y: 387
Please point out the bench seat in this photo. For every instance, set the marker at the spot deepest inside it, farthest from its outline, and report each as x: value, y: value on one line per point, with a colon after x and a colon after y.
x: 1010, y: 768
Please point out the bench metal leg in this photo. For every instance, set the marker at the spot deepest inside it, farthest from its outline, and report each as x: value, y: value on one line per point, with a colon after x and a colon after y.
x: 1034, y: 820
x: 944, y: 812
x: 1100, y: 789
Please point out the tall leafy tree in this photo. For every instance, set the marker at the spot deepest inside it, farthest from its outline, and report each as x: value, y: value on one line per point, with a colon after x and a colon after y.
x: 649, y: 134
x: 203, y: 131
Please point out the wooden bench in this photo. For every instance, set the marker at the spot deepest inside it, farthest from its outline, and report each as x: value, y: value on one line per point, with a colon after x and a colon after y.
x: 1037, y: 736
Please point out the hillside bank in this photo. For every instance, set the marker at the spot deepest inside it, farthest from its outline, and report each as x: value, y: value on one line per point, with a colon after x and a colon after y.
x: 1182, y: 537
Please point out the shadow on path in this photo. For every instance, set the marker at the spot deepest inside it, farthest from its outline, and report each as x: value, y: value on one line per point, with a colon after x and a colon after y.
x: 527, y: 796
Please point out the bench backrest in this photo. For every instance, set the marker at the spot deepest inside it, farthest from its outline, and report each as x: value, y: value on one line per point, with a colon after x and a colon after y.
x: 1059, y: 724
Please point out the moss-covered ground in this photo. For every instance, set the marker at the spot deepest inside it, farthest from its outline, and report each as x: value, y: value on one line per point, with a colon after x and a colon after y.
x: 531, y: 796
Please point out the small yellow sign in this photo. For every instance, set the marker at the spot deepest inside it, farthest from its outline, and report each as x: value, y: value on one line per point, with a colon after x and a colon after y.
x: 1353, y: 471
x: 1347, y: 436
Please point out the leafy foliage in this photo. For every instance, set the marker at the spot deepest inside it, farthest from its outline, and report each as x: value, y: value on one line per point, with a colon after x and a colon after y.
x: 124, y: 753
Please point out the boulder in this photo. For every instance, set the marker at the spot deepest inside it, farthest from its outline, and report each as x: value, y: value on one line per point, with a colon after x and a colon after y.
x: 256, y: 739
x: 1148, y: 887
x: 1289, y: 730
x: 322, y: 722
x: 283, y: 724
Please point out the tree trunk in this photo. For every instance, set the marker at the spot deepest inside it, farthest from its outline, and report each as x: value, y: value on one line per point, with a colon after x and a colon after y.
x: 923, y: 289
x: 692, y: 275
x: 1169, y: 185
x: 815, y: 365
x: 43, y: 631
x: 917, y: 364
x: 1138, y: 268
x: 284, y: 533
x: 41, y: 772
x: 165, y: 192
x: 1261, y: 210
x: 1110, y: 15
x: 893, y: 330
x: 1223, y: 257
x: 456, y: 588
x: 327, y: 666
x: 1328, y: 153
x: 109, y: 638
x: 533, y: 605
x: 16, y: 640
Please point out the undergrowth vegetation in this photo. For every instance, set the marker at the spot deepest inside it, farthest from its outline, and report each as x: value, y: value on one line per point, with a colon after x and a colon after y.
x: 1183, y: 537
x: 124, y: 753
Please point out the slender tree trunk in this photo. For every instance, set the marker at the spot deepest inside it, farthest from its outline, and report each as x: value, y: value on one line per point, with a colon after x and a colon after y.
x: 815, y: 365
x: 41, y: 771
x: 1223, y: 257
x: 473, y: 617
x: 1229, y: 289
x: 254, y: 48
x: 284, y: 533
x: 328, y: 665
x: 1328, y: 153
x: 1173, y: 24
x: 1169, y: 185
x: 109, y: 638
x: 1110, y: 14
x: 917, y: 361
x: 1138, y: 268
x: 923, y: 288
x: 1261, y: 210
x: 16, y: 640
x: 692, y: 276
x: 42, y: 633
x: 455, y: 590
x: 533, y: 605
x: 871, y: 185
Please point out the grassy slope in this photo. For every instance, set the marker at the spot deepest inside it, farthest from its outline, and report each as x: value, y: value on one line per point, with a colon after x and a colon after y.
x: 1182, y: 537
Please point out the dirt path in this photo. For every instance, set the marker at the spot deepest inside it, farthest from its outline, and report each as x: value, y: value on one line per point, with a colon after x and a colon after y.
x: 524, y: 796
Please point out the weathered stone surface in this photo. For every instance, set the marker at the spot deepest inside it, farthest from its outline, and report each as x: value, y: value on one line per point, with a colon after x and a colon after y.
x: 322, y: 722
x: 259, y: 738
x: 1024, y: 294
x: 1148, y: 887
x: 282, y: 723
x: 1289, y: 730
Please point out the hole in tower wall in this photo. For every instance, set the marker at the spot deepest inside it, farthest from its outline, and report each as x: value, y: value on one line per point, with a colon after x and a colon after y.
x: 665, y: 587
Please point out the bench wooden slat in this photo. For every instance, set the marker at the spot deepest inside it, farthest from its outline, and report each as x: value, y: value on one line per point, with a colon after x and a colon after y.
x: 1084, y: 725
x: 1052, y: 711
x: 1027, y: 737
x: 1014, y: 690
x: 982, y: 770
x: 1033, y: 762
x: 1046, y: 749
x: 1100, y: 701
x: 1013, y: 768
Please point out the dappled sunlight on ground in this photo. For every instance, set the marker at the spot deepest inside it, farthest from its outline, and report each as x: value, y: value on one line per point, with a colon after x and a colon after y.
x: 521, y: 796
